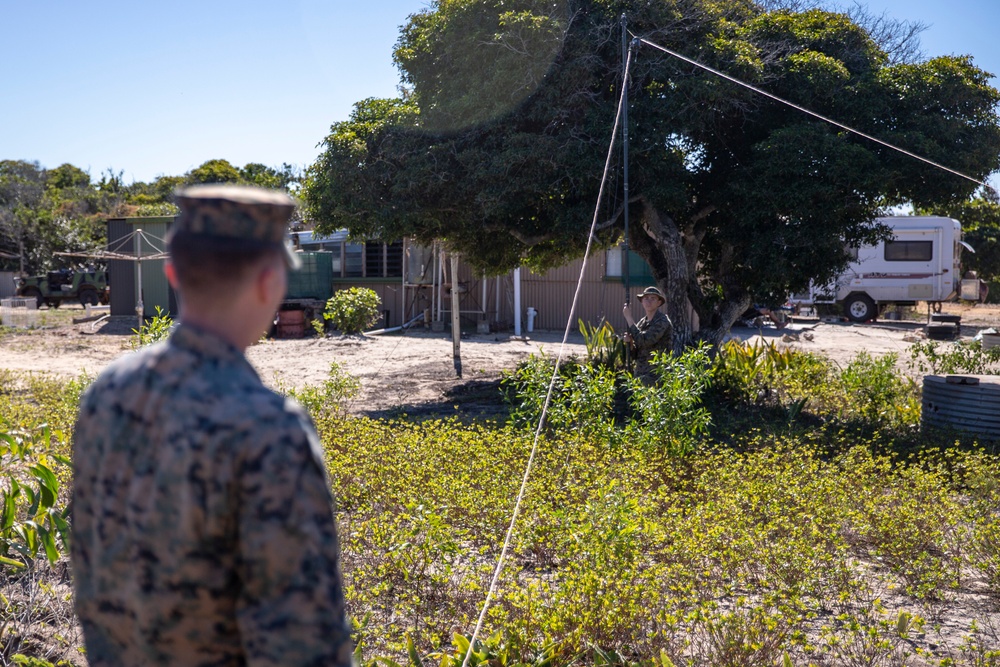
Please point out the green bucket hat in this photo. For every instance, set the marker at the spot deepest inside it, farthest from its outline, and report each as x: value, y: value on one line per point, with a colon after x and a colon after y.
x: 655, y: 292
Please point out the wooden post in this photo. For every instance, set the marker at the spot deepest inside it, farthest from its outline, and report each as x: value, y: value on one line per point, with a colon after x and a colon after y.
x: 456, y: 331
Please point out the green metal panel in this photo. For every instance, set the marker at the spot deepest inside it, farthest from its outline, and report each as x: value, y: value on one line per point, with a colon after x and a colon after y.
x: 155, y: 288
x: 314, y: 280
x: 638, y: 271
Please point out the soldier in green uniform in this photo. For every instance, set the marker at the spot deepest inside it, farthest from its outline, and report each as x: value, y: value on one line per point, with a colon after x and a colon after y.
x: 203, y: 523
x: 653, y: 333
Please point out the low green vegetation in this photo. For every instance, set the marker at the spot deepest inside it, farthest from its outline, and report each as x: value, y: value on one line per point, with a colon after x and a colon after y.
x: 352, y: 310
x: 756, y: 507
x: 36, y: 421
x: 153, y: 331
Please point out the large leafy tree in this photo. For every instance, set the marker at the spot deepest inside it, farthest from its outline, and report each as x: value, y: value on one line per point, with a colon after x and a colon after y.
x: 22, y: 189
x: 43, y: 211
x: 498, y: 144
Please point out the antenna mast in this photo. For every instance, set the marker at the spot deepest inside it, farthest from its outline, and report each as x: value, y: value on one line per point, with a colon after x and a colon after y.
x: 625, y: 271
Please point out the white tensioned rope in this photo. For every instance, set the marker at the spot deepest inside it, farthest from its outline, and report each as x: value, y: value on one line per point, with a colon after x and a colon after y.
x: 755, y: 89
x: 120, y: 244
x: 552, y: 381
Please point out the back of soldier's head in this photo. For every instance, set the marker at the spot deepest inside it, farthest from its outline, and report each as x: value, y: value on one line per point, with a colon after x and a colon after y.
x: 224, y: 232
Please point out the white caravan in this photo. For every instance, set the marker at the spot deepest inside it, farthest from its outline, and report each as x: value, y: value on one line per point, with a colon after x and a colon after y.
x: 919, y: 263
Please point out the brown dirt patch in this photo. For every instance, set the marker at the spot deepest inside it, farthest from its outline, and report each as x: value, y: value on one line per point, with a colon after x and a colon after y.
x: 414, y: 373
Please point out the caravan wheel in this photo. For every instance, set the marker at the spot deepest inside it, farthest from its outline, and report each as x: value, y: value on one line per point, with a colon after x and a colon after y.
x: 860, y: 308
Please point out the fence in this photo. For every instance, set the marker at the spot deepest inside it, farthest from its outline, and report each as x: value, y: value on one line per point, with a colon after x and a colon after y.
x: 19, y: 312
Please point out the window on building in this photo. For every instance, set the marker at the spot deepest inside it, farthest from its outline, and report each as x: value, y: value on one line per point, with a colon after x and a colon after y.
x: 394, y: 260
x: 368, y: 260
x: 909, y: 251
x: 354, y: 260
x: 374, y: 260
x: 638, y: 269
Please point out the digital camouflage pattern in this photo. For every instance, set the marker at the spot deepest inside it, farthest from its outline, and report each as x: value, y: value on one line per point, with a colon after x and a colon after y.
x: 203, y: 528
x: 237, y: 212
x: 649, y: 336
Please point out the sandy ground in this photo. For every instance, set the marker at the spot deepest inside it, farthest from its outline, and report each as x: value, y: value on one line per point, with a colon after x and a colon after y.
x: 415, y: 372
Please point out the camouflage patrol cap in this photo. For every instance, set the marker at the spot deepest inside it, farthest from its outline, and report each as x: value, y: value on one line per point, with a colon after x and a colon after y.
x: 237, y: 212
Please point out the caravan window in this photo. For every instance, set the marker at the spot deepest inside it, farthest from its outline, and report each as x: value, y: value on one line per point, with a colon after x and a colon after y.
x: 909, y: 251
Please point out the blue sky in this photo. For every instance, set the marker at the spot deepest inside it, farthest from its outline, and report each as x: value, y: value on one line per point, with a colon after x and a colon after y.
x: 154, y: 89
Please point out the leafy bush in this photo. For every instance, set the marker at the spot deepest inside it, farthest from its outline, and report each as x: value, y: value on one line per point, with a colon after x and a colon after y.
x: 582, y: 398
x: 604, y: 348
x: 746, y: 373
x: 33, y: 516
x: 327, y: 401
x: 954, y: 358
x: 353, y: 310
x: 669, y: 416
x: 877, y: 394
x: 154, y: 331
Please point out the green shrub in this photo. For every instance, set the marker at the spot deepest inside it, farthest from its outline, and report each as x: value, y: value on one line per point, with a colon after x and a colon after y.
x: 877, y: 394
x: 582, y: 397
x: 605, y: 348
x: 746, y: 373
x: 669, y: 416
x: 353, y: 310
x: 955, y: 358
x: 33, y: 515
x: 154, y: 331
x: 328, y: 400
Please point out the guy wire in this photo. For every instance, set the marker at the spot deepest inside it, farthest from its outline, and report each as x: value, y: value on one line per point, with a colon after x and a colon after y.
x: 812, y: 113
x: 555, y: 373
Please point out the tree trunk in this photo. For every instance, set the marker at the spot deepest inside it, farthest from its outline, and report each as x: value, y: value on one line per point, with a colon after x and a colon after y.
x: 658, y: 240
x: 727, y: 314
x: 672, y: 254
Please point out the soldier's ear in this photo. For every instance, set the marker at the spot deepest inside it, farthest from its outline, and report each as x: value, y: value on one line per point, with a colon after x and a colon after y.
x: 271, y: 281
x: 171, y: 273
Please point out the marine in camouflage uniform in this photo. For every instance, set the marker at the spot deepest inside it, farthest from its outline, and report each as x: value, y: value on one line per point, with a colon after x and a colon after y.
x: 203, y: 528
x: 649, y: 335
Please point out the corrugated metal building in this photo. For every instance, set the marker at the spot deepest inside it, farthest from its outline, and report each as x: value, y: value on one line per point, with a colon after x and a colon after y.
x: 123, y: 275
x: 8, y: 263
x: 491, y: 300
x: 7, y: 287
x: 381, y: 267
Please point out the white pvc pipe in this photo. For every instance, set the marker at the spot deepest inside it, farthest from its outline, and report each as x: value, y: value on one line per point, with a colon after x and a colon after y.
x: 375, y: 332
x: 496, y: 286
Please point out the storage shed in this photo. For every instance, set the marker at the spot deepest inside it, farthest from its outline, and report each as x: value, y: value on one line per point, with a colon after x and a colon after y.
x: 140, y: 238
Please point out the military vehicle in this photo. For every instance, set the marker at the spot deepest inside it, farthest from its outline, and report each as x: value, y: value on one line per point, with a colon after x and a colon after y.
x: 89, y: 287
